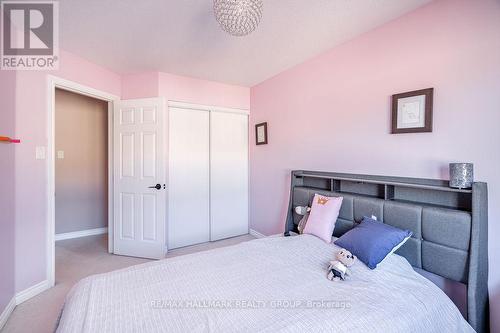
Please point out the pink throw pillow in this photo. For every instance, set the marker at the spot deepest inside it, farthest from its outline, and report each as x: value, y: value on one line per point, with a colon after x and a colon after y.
x: 323, y: 215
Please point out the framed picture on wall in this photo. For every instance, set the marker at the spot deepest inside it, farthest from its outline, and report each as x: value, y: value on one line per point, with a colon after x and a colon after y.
x: 412, y: 111
x: 261, y: 134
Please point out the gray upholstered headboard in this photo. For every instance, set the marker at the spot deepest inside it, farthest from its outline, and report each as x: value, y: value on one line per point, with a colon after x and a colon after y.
x: 450, y: 226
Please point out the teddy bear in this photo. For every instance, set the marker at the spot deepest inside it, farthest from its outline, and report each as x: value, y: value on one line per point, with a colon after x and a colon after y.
x: 339, y: 268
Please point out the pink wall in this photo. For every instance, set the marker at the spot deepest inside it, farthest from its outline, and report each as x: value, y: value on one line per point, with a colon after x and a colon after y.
x: 31, y: 175
x: 184, y: 89
x: 332, y: 113
x: 140, y: 85
x: 7, y: 188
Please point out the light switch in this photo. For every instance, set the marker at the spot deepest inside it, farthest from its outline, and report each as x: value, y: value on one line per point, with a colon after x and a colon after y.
x: 60, y: 154
x: 40, y: 153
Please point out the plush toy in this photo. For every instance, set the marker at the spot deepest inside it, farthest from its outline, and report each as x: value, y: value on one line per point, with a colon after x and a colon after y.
x: 339, y: 268
x: 304, y: 211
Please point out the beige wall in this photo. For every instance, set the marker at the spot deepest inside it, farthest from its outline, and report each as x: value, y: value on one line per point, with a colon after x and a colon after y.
x: 81, y: 177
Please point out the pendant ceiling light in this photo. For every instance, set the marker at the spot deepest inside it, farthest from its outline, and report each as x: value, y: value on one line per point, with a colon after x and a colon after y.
x: 238, y: 17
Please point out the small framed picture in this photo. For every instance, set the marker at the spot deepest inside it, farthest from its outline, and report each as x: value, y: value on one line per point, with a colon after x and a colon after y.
x: 261, y: 134
x: 412, y: 111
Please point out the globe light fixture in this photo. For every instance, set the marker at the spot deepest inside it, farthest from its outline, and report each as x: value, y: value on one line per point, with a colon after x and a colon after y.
x: 238, y: 17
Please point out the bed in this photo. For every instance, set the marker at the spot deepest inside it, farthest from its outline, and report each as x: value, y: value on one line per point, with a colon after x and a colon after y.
x: 279, y: 283
x: 265, y: 285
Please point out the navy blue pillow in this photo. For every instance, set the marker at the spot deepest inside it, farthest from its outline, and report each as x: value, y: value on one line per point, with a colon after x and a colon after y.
x: 371, y: 241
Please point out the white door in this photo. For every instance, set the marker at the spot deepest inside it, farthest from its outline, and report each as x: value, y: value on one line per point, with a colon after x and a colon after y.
x: 188, y: 180
x: 228, y: 175
x: 139, y: 203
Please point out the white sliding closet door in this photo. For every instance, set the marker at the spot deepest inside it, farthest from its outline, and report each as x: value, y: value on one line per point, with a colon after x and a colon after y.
x: 228, y: 175
x: 189, y: 177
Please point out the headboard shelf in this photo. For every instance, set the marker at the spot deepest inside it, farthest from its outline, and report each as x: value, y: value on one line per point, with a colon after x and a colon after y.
x: 425, y: 191
x: 321, y: 190
x: 430, y: 205
x: 450, y: 226
x: 358, y: 194
x: 431, y: 184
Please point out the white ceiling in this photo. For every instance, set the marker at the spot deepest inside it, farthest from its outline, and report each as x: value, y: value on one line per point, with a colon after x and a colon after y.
x: 183, y: 37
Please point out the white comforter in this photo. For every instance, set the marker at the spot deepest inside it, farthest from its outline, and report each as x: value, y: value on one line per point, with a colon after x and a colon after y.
x: 265, y: 285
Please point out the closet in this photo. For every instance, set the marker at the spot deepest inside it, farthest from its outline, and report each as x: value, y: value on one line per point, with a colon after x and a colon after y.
x: 208, y: 175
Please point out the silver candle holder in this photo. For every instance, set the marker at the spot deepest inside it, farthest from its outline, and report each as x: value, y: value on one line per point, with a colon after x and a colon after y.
x: 461, y: 175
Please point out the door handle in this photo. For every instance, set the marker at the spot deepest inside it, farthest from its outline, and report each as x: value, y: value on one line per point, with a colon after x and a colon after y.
x: 157, y: 186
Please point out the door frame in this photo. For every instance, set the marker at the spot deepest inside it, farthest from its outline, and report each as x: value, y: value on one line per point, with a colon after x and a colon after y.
x: 54, y: 82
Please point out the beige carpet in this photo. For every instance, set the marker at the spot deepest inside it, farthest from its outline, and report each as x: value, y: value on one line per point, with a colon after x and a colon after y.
x: 76, y: 259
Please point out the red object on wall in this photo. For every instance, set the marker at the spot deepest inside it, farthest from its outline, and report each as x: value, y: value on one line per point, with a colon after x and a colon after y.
x: 6, y: 139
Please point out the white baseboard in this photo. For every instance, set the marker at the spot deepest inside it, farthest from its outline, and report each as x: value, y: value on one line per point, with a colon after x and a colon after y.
x: 257, y: 234
x: 32, y: 291
x: 81, y: 233
x: 21, y: 297
x: 4, y: 316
